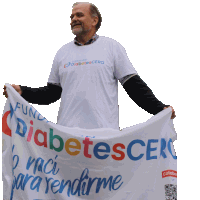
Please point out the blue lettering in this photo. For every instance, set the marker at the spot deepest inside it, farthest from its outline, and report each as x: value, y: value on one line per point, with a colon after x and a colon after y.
x: 23, y: 109
x: 47, y: 181
x: 170, y: 150
x: 17, y: 106
x: 57, y: 186
x: 37, y: 185
x: 31, y: 111
x: 29, y: 163
x: 130, y: 147
x: 26, y: 180
x: 39, y: 167
x: 53, y: 169
x: 11, y: 111
x: 54, y: 185
x: 41, y: 118
x: 96, y: 150
x: 68, y: 64
x: 18, y: 131
x: 149, y: 149
x: 163, y: 146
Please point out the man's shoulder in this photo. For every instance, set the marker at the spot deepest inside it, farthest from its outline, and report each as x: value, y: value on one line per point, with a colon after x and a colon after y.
x: 68, y: 45
x: 65, y: 47
x: 104, y: 38
x: 107, y: 40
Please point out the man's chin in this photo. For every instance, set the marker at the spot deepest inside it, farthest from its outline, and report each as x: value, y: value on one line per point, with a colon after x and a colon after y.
x: 76, y: 33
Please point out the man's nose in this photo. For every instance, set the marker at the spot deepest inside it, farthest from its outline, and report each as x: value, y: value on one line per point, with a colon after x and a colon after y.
x: 74, y: 19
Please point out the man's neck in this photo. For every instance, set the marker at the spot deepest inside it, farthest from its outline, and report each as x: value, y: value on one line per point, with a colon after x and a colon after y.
x: 84, y: 38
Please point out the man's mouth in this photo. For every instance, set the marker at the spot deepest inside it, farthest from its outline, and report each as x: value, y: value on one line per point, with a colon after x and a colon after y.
x: 75, y: 25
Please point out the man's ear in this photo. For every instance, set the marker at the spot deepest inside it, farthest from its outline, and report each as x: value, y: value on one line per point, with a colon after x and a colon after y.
x: 95, y: 20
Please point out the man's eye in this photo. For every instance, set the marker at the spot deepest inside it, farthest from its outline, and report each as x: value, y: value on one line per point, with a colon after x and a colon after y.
x: 78, y: 15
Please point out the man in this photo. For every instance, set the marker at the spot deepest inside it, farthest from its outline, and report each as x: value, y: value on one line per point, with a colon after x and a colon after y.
x: 85, y: 74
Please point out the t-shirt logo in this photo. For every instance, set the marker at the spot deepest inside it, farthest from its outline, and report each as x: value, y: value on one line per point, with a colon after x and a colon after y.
x: 83, y: 63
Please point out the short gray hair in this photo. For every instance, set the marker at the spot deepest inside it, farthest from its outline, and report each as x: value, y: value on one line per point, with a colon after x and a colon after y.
x: 93, y: 12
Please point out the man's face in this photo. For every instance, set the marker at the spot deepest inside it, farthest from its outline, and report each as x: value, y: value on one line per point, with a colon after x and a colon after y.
x: 81, y: 20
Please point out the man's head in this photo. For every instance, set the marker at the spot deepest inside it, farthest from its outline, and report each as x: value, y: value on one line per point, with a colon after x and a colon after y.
x: 85, y: 18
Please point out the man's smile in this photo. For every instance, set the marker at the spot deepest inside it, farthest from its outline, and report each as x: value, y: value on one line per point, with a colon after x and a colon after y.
x: 76, y: 25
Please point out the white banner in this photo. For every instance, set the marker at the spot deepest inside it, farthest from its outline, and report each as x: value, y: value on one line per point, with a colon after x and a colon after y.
x: 43, y: 160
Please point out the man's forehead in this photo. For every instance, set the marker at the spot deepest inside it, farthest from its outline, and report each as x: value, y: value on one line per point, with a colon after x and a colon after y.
x: 83, y: 7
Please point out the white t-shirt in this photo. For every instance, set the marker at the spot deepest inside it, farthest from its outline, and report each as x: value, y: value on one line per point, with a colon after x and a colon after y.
x: 89, y: 77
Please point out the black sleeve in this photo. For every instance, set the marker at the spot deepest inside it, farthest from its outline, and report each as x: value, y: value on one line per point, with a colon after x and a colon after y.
x: 42, y: 95
x: 142, y: 95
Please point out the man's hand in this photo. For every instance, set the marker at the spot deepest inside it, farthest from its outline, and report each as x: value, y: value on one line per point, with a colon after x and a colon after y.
x: 16, y: 87
x: 173, y: 112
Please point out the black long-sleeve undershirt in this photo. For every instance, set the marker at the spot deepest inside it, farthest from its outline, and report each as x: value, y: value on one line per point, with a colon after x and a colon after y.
x: 42, y: 95
x: 142, y: 95
x: 136, y: 88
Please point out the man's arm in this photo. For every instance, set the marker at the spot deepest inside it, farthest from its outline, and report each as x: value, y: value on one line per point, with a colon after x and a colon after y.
x: 142, y: 95
x: 42, y: 95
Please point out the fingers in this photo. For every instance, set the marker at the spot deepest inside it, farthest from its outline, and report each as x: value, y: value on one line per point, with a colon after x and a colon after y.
x: 5, y: 92
x: 173, y: 115
x: 173, y: 112
x: 16, y: 87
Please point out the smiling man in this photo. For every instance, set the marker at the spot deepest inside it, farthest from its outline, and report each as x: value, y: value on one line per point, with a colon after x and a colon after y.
x: 84, y: 21
x: 85, y: 74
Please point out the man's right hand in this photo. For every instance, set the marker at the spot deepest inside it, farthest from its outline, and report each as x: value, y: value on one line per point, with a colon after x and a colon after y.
x: 16, y: 87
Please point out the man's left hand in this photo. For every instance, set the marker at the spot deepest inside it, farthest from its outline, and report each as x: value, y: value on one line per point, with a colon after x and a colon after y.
x: 173, y: 112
